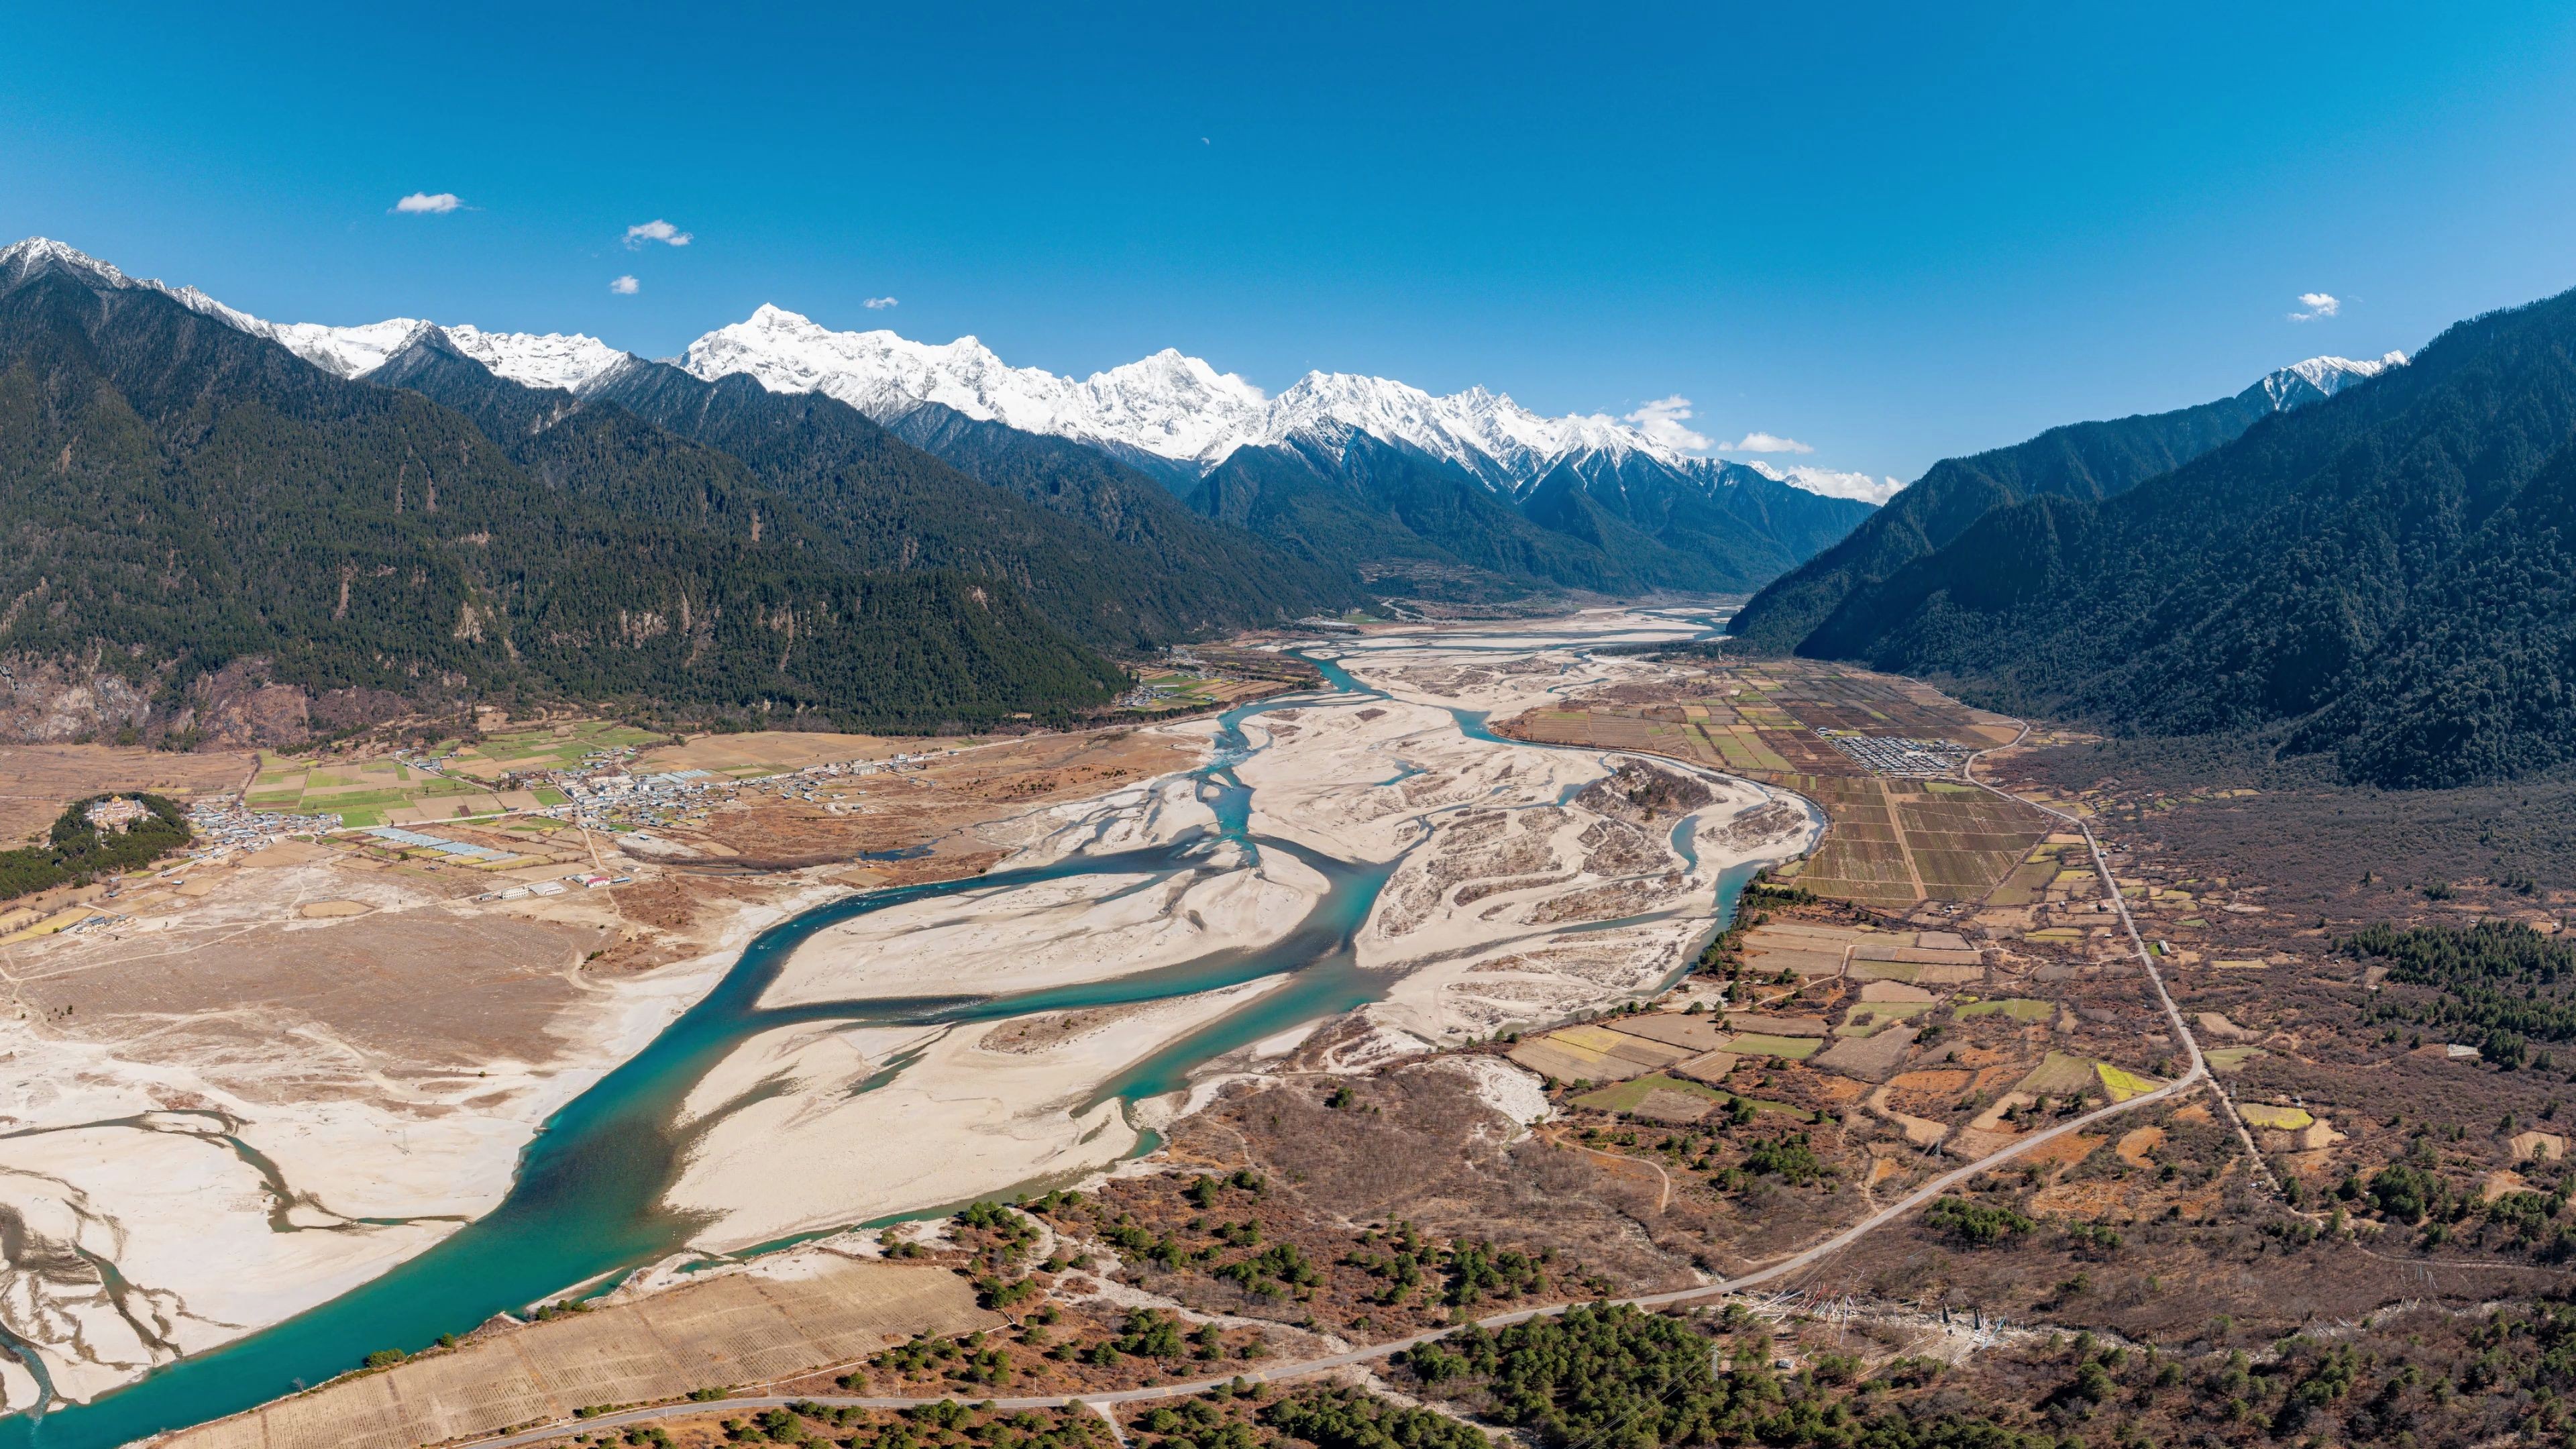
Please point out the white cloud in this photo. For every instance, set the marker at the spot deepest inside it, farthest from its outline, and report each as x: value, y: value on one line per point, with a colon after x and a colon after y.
x: 1832, y: 483
x: 428, y: 203
x: 626, y: 286
x: 878, y: 304
x: 2318, y: 304
x: 1662, y: 421
x: 656, y: 230
x: 1759, y: 441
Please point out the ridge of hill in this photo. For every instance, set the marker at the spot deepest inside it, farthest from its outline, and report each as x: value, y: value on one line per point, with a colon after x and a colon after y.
x: 2380, y: 574
x: 2091, y: 461
x: 209, y: 535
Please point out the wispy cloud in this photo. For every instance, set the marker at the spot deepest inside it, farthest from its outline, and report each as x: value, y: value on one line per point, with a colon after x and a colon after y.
x: 656, y: 230
x: 2318, y: 304
x: 1663, y: 421
x: 428, y: 203
x: 1759, y: 441
x: 878, y: 304
x: 626, y: 286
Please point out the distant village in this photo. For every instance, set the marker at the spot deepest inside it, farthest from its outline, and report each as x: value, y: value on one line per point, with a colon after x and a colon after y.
x: 599, y: 793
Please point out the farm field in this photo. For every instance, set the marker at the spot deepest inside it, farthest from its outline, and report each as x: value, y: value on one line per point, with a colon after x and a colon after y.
x: 546, y: 747
x: 372, y: 792
x: 1895, y: 841
x: 732, y: 1329
x: 384, y: 790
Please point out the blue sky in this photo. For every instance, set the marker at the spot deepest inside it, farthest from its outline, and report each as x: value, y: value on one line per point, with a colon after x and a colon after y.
x: 1892, y: 233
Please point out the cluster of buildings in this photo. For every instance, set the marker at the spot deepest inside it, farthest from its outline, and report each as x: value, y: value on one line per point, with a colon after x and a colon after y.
x: 609, y: 797
x: 1888, y: 755
x: 222, y: 827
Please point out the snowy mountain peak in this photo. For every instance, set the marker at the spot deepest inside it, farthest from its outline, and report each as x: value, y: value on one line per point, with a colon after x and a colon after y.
x: 1170, y: 405
x: 1167, y: 404
x: 568, y: 360
x: 2319, y: 378
x: 23, y: 259
x: 348, y: 351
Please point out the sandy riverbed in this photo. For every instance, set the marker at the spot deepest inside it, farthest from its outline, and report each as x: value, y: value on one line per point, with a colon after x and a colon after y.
x: 392, y: 1064
x: 210, y: 1105
x: 1528, y: 887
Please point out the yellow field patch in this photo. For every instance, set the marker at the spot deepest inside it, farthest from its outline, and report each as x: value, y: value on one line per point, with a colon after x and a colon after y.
x: 1587, y: 1038
x: 2285, y: 1119
x: 2123, y: 1085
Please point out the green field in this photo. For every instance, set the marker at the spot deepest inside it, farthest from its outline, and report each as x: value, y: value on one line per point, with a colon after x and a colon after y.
x: 1624, y: 1096
x: 549, y: 747
x: 2019, y: 1008
x: 1788, y: 1048
x: 361, y: 792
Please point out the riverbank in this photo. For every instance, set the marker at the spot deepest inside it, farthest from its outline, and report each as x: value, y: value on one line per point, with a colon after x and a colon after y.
x: 1239, y: 903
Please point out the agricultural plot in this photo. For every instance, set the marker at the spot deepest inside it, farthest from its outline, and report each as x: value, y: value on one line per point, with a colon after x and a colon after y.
x: 1628, y: 1095
x: 740, y: 1328
x: 2017, y: 1008
x: 1891, y: 842
x: 373, y: 792
x: 549, y: 747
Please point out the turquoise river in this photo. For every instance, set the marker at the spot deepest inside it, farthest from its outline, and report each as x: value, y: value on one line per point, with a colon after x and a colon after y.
x: 585, y: 1205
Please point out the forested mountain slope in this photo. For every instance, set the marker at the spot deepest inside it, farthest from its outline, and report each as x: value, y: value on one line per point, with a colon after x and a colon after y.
x: 183, y: 503
x: 1152, y: 581
x: 596, y: 450
x: 2384, y: 569
x: 2090, y: 461
x: 1123, y: 504
x: 1410, y: 521
x: 1468, y: 494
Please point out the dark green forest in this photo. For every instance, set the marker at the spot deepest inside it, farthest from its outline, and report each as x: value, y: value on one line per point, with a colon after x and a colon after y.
x: 2499, y: 985
x: 2380, y: 577
x: 1615, y: 1377
x: 75, y: 851
x: 2091, y: 461
x: 178, y: 496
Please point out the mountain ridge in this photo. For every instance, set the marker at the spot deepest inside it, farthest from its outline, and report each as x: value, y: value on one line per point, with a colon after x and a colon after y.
x: 2379, y: 575
x: 1648, y: 519
x: 2091, y: 460
x: 207, y: 535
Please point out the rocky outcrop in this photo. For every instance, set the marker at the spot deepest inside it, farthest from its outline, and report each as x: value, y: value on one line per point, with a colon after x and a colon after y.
x: 59, y: 701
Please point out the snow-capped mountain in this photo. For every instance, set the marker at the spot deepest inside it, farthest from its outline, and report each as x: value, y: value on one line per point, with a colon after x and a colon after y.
x: 1167, y: 406
x: 1174, y: 414
x: 2320, y: 378
x: 568, y: 360
x: 554, y: 359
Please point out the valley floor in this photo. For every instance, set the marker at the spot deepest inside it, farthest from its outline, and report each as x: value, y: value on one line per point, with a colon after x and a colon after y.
x: 223, y: 1114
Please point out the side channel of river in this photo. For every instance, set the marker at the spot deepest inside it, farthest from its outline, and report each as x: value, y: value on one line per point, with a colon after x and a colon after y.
x: 586, y: 1203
